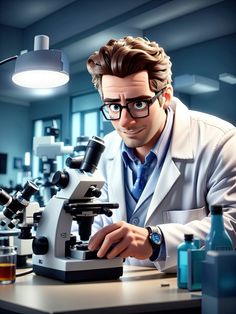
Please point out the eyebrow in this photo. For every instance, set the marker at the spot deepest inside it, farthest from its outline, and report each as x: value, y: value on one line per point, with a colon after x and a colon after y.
x: 127, y: 99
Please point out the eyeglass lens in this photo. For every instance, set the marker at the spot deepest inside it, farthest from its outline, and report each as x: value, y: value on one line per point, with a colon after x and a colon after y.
x: 136, y: 109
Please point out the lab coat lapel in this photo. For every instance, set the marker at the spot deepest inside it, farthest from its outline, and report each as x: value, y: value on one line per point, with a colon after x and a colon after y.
x: 180, y: 149
x: 168, y: 176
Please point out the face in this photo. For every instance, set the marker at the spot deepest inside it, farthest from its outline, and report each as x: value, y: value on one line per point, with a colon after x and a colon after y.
x: 140, y: 134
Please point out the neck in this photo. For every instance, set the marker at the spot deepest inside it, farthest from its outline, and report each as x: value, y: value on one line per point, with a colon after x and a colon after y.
x: 142, y: 152
x: 217, y: 220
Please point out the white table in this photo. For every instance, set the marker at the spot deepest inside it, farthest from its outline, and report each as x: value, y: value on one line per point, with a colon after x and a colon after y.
x: 139, y: 290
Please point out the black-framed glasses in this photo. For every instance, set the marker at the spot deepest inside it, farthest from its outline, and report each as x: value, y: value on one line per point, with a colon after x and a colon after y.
x: 138, y: 108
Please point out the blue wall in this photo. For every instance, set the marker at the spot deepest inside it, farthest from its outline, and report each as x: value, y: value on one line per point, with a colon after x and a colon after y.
x: 15, y: 136
x: 210, y: 59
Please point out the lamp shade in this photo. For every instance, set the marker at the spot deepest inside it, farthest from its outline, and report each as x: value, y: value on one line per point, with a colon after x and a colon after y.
x: 41, y: 68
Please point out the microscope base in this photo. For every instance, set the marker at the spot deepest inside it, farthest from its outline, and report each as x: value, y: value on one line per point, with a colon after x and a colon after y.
x: 79, y: 275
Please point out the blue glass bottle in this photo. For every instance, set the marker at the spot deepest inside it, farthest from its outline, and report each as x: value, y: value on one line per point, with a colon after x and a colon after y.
x: 182, y: 260
x: 218, y: 238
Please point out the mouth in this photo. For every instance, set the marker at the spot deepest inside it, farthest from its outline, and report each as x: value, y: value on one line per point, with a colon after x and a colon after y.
x: 132, y: 132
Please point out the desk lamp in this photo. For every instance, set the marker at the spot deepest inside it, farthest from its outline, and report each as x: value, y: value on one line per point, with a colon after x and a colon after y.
x: 40, y: 68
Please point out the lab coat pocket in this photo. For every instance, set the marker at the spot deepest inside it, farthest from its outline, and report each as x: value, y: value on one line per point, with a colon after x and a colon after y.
x: 183, y: 216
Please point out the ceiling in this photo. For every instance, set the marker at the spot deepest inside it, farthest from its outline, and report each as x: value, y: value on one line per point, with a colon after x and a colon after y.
x: 79, y: 27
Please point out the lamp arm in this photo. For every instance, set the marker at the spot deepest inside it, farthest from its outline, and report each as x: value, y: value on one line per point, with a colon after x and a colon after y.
x: 8, y: 59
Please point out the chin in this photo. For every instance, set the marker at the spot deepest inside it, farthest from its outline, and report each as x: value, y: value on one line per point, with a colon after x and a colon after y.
x: 132, y: 143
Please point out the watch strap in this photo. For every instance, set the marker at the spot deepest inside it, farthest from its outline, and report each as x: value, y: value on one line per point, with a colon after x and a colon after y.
x: 156, y: 247
x: 155, y: 254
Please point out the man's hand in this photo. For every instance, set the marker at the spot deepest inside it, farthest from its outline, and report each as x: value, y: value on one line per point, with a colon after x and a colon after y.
x: 121, y: 239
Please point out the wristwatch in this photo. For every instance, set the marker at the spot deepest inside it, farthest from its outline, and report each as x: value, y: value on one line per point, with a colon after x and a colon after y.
x: 155, y: 239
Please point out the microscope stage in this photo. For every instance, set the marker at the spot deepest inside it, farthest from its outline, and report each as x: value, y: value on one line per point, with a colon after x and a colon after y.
x: 83, y: 254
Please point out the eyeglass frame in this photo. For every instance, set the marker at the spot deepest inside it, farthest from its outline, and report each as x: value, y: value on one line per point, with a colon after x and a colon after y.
x: 148, y: 102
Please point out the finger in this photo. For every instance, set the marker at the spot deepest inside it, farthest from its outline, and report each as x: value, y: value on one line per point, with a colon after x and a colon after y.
x: 109, y: 240
x: 96, y: 240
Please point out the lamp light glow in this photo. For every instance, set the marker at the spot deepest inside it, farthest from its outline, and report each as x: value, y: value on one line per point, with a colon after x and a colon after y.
x: 42, y: 67
x: 40, y: 79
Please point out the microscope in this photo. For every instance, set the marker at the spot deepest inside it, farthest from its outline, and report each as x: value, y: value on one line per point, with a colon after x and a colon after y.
x: 18, y: 218
x: 56, y: 252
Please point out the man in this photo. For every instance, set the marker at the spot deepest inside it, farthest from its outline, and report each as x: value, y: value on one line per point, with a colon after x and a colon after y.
x: 186, y: 159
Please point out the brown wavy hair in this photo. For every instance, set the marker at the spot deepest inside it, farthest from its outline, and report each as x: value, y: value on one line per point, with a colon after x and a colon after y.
x: 131, y: 55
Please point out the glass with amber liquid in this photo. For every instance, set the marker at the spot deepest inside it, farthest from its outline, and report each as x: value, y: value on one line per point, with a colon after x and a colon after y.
x: 7, y: 265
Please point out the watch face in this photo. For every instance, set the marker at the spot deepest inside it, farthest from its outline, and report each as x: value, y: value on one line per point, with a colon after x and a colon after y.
x: 156, y: 238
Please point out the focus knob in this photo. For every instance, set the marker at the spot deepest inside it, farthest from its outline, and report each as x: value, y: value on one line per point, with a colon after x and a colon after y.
x: 61, y: 179
x: 40, y: 246
x: 96, y: 192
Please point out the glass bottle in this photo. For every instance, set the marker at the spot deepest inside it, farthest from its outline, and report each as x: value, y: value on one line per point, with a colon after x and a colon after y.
x: 218, y: 238
x: 182, y: 260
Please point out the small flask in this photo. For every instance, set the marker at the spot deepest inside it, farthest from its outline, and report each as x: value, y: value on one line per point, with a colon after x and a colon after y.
x: 218, y: 238
x: 182, y: 263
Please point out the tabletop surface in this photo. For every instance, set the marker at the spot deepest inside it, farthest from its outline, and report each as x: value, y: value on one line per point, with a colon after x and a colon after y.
x: 139, y: 289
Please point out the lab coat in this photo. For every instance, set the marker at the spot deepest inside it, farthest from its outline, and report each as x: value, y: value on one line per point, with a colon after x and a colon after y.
x: 199, y: 170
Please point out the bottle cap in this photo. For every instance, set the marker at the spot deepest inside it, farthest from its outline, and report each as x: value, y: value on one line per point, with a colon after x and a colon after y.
x: 188, y: 237
x: 216, y: 210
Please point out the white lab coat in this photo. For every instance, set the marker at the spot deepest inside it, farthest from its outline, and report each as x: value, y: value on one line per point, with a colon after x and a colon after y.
x: 199, y: 170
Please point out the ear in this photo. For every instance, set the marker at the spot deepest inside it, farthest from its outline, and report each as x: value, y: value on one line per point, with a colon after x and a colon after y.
x: 167, y: 96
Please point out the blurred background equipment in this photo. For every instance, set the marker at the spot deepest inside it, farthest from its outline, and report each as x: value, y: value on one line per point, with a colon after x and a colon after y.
x: 17, y: 220
x: 47, y: 149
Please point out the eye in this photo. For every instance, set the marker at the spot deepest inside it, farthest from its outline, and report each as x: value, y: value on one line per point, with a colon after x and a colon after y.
x: 114, y: 107
x: 140, y: 105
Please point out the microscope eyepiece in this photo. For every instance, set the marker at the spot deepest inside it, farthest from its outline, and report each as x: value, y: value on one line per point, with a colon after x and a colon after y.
x: 16, y: 203
x: 89, y: 162
x: 92, y: 155
x: 29, y: 189
x: 74, y: 163
x: 5, y: 198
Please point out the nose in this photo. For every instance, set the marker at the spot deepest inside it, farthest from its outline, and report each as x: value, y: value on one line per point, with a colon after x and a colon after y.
x: 125, y: 118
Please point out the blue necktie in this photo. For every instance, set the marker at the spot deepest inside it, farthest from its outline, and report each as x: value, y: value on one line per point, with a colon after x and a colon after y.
x: 142, y: 176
